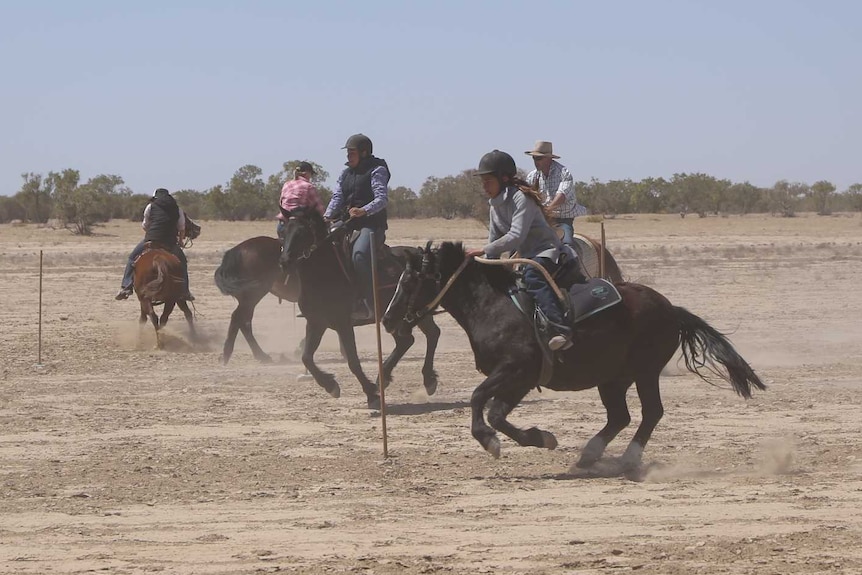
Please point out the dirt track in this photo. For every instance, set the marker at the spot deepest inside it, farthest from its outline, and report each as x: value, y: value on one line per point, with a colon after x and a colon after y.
x: 121, y: 459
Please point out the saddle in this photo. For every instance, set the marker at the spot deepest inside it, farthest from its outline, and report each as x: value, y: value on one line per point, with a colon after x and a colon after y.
x: 581, y: 300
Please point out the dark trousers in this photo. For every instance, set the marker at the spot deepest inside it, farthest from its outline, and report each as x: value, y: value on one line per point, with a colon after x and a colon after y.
x: 129, y: 273
x: 537, y: 286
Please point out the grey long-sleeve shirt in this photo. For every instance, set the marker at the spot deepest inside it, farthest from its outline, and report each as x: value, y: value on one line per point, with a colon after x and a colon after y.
x: 517, y: 223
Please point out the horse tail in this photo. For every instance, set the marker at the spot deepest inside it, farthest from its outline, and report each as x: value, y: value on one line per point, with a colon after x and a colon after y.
x: 703, y: 346
x: 229, y: 277
x: 153, y: 288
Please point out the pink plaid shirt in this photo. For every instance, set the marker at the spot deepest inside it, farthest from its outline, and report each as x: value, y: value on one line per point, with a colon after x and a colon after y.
x: 299, y: 193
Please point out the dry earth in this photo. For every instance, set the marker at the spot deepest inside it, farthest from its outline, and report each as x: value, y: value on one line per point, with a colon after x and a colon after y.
x: 120, y: 459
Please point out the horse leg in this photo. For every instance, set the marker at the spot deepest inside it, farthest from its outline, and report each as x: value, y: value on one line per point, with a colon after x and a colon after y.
x: 189, y: 318
x: 313, y: 334
x: 613, y: 396
x: 348, y: 348
x: 651, y: 412
x: 402, y: 344
x: 500, y: 406
x: 166, y: 313
x: 481, y: 395
x: 432, y: 336
x: 240, y: 319
x: 155, y: 320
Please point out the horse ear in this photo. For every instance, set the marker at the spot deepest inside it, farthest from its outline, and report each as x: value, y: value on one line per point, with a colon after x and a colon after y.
x: 428, y: 245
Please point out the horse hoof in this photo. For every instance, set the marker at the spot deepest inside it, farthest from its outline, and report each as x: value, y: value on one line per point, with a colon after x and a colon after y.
x: 493, y: 447
x: 304, y: 377
x: 431, y: 386
x: 374, y: 403
x: 548, y: 440
x: 265, y: 358
x: 334, y: 391
x: 224, y: 359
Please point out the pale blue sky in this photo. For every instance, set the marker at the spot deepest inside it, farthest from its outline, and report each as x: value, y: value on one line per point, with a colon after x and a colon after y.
x: 182, y: 93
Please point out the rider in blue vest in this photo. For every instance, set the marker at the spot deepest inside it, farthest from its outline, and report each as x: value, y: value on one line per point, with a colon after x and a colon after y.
x: 164, y: 223
x: 361, y: 194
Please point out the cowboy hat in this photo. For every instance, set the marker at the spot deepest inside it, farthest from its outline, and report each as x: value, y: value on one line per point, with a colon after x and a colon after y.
x: 542, y: 149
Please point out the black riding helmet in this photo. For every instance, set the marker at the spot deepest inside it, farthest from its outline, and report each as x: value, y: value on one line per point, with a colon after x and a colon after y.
x: 359, y: 142
x: 498, y: 163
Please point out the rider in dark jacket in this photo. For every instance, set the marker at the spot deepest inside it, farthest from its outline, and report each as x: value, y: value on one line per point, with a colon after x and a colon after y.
x: 164, y: 223
x: 362, y: 194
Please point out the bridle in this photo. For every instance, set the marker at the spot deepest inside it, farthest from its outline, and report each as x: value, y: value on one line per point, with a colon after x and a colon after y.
x: 427, y: 273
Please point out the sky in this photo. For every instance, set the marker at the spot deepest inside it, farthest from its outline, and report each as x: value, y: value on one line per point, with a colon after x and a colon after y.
x: 180, y: 94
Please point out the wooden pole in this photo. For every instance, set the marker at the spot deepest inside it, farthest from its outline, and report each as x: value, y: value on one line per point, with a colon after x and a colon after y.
x: 39, y: 361
x: 602, y: 255
x: 380, y: 379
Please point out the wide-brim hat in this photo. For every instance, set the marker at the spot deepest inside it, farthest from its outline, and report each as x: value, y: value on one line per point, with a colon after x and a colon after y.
x: 542, y: 149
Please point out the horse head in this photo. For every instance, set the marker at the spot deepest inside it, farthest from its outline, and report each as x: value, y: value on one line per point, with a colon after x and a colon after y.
x: 426, y: 278
x: 304, y: 230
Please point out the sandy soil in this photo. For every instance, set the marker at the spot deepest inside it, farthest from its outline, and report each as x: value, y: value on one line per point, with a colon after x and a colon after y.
x: 118, y: 458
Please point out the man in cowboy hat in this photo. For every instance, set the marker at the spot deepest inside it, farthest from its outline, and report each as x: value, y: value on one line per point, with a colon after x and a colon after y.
x: 555, y: 183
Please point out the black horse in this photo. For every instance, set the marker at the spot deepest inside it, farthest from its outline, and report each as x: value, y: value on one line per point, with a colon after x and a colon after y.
x: 327, y: 297
x: 628, y: 343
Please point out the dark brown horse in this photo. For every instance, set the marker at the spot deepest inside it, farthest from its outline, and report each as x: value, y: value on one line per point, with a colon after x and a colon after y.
x: 628, y: 343
x: 159, y: 280
x: 248, y: 272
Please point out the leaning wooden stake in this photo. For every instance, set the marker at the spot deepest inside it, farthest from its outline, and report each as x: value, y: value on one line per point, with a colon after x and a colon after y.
x: 380, y: 379
x: 39, y: 360
x: 602, y: 255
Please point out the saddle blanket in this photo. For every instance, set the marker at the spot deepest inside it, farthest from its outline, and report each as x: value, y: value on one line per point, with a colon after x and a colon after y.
x: 592, y: 297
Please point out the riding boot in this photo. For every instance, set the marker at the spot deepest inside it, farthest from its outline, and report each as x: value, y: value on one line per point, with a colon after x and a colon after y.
x: 561, y: 337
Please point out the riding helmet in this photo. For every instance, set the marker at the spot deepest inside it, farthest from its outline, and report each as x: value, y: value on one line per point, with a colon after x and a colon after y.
x: 498, y: 163
x: 359, y: 142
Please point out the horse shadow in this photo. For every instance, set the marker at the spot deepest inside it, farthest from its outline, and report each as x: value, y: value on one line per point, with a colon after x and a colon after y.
x: 423, y: 408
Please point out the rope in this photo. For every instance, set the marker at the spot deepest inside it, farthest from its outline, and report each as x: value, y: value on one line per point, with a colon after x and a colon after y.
x: 515, y: 261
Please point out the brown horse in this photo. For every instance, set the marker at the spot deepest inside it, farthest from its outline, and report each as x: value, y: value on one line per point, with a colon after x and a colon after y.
x: 159, y: 280
x: 248, y: 272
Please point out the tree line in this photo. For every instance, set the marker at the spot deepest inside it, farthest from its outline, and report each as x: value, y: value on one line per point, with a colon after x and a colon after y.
x: 248, y: 195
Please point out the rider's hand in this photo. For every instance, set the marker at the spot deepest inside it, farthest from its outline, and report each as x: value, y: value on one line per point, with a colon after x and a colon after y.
x: 356, y: 212
x: 480, y: 253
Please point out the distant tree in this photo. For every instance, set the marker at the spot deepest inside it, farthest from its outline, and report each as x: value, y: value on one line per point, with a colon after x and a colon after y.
x: 402, y: 203
x: 80, y: 207
x: 821, y: 193
x: 745, y: 198
x: 854, y: 197
x: 11, y: 209
x: 451, y: 197
x: 35, y: 197
x: 784, y: 197
x: 193, y: 203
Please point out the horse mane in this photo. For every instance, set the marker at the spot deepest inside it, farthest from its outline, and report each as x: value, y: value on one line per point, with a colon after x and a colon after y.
x: 452, y: 254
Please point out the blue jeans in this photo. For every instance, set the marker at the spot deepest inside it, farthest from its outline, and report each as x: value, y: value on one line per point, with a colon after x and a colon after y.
x: 279, y: 229
x: 543, y: 294
x: 129, y: 273
x: 568, y: 227
x: 362, y: 260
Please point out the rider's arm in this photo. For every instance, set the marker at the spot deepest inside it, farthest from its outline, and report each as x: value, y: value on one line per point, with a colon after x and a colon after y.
x: 335, y: 202
x: 379, y: 185
x: 522, y: 218
x: 566, y: 192
x: 145, y: 223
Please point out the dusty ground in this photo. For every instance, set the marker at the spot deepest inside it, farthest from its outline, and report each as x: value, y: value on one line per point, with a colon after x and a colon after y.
x: 117, y: 458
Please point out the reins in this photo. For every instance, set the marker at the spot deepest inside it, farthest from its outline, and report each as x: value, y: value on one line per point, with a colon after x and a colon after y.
x: 411, y: 316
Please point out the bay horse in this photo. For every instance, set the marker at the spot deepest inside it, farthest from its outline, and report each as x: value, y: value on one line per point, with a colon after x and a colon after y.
x: 628, y: 343
x: 327, y: 296
x: 248, y: 272
x: 159, y: 280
